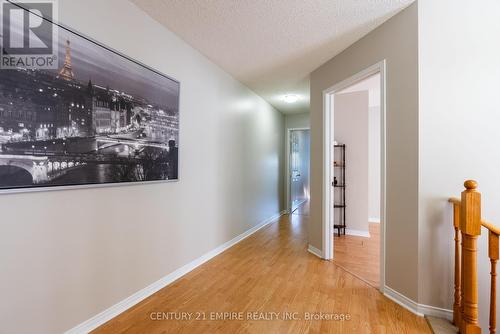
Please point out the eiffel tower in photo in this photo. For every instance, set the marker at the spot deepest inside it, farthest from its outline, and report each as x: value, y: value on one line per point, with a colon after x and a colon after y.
x: 66, y: 71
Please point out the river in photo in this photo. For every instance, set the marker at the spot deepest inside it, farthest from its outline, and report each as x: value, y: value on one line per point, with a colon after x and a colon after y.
x: 88, y: 174
x: 91, y: 172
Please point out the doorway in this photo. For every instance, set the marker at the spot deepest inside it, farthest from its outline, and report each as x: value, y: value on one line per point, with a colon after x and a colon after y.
x: 354, y: 174
x: 298, y: 148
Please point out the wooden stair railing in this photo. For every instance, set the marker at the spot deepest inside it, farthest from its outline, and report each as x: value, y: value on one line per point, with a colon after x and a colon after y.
x: 467, y: 223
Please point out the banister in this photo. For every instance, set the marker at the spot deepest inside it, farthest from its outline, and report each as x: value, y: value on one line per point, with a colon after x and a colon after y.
x: 491, y: 227
x: 467, y: 224
x: 484, y: 223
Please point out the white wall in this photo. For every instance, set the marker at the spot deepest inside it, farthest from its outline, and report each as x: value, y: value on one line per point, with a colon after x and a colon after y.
x: 67, y: 255
x: 351, y: 128
x: 459, y: 71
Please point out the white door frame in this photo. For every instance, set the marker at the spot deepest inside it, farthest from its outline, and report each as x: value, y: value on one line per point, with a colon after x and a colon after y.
x: 287, y: 173
x: 328, y: 137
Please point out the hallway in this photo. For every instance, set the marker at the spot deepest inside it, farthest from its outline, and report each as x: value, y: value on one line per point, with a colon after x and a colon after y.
x: 271, y: 271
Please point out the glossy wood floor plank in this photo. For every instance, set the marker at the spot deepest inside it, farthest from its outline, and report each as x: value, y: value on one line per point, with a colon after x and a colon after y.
x: 270, y: 271
x: 360, y: 256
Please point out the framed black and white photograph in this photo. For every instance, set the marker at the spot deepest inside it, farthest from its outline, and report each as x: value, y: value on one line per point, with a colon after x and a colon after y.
x: 97, y: 117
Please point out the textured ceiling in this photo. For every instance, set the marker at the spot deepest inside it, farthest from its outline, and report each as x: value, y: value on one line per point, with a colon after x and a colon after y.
x: 272, y: 45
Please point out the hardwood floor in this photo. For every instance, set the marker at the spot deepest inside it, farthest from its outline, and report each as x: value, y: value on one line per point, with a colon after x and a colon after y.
x: 360, y: 256
x: 302, y: 210
x: 271, y: 271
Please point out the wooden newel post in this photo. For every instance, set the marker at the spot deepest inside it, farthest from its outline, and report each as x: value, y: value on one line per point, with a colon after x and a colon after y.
x: 470, y: 225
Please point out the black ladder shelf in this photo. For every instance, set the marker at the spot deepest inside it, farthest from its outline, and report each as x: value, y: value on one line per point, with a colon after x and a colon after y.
x: 339, y: 183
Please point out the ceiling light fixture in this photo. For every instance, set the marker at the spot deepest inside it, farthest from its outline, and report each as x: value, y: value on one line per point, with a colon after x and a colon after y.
x: 291, y: 98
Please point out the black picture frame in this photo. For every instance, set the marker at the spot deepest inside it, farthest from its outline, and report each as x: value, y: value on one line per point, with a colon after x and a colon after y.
x: 113, y: 121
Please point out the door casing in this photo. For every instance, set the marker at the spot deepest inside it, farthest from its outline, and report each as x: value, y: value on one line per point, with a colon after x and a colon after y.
x: 328, y: 136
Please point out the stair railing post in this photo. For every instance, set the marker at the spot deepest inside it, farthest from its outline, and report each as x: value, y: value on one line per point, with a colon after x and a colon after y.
x: 457, y: 304
x: 470, y: 226
x: 494, y: 256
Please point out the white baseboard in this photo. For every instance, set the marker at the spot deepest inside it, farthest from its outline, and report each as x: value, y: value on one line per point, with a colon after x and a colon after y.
x: 108, y: 314
x: 437, y: 312
x: 374, y: 220
x: 299, y: 204
x: 313, y: 250
x: 402, y: 300
x: 357, y: 233
x: 418, y: 309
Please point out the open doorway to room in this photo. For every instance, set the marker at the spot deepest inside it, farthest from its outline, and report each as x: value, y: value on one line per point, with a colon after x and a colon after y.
x: 354, y: 115
x: 298, y: 169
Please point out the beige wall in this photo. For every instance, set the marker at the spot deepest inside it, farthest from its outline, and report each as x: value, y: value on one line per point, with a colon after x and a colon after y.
x: 397, y: 42
x: 372, y: 85
x: 67, y: 255
x: 374, y: 149
x: 350, y: 122
x: 297, y: 121
x: 459, y: 55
